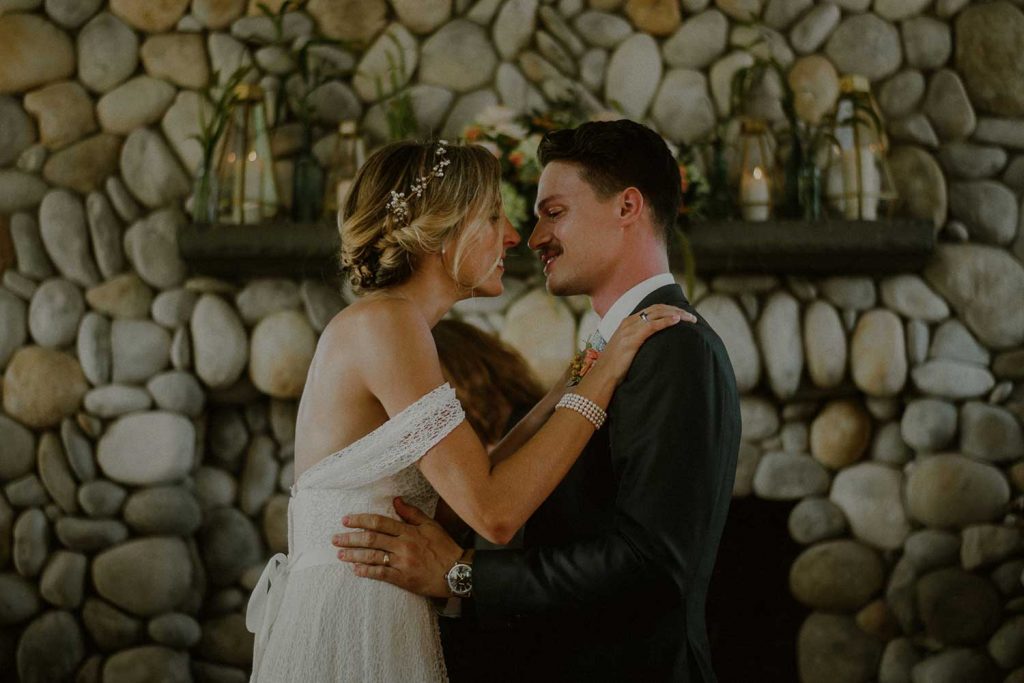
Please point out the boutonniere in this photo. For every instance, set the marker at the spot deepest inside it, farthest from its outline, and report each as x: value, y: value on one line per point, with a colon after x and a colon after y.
x: 581, y: 364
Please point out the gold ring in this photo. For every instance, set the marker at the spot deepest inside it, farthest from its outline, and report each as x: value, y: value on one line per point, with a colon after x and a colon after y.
x: 387, y: 559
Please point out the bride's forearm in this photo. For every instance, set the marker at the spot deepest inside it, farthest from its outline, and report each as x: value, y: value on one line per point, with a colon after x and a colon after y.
x: 530, y: 424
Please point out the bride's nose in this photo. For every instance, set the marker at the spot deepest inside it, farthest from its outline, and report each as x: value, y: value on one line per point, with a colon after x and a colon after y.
x: 511, y: 235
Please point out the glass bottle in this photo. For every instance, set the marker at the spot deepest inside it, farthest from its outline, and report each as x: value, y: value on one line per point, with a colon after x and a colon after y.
x: 307, y: 182
x: 347, y: 157
x: 757, y: 170
x: 245, y: 166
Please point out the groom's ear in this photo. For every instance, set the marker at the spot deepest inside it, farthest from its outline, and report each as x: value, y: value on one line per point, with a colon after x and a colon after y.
x: 631, y: 204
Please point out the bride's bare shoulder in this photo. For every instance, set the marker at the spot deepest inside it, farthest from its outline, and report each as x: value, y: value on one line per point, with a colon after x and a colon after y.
x: 374, y: 324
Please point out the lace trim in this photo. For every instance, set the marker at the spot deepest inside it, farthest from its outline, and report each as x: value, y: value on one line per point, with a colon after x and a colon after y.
x: 396, y: 444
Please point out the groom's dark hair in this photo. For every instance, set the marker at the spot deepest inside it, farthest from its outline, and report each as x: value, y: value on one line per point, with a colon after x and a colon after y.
x: 614, y: 155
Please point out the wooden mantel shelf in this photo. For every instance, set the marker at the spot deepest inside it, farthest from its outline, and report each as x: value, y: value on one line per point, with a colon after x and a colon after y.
x: 286, y: 249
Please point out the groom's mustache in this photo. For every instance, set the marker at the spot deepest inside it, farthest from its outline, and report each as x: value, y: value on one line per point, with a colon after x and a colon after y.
x: 548, y: 251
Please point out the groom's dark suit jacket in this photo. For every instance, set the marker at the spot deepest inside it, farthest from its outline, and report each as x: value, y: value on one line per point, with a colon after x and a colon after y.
x: 612, y: 582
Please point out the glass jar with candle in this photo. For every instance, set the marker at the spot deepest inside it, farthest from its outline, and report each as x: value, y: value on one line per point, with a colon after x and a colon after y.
x: 347, y: 156
x: 245, y: 166
x: 858, y: 184
x: 757, y: 167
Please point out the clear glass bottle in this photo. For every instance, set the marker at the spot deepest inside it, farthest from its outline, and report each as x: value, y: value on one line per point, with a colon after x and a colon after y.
x: 245, y: 166
x: 347, y: 156
x: 307, y: 183
x: 757, y: 171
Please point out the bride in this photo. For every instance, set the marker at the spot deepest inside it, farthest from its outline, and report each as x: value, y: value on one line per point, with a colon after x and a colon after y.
x: 425, y: 228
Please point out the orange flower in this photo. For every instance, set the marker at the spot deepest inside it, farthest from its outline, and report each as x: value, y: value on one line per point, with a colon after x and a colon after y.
x: 684, y: 180
x: 473, y: 133
x: 517, y: 159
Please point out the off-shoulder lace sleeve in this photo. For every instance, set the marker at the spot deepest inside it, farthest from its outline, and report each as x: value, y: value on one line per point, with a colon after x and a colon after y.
x: 398, y: 443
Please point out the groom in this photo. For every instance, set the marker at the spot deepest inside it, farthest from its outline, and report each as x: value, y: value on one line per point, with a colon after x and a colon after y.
x: 614, y: 574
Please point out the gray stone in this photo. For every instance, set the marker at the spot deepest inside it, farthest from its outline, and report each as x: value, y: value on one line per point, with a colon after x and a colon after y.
x: 728, y: 320
x: 888, y: 445
x: 987, y: 544
x: 108, y: 626
x: 634, y: 72
x: 320, y: 302
x: 956, y: 665
x: 175, y: 630
x: 898, y: 659
x: 219, y: 342
x: 214, y: 487
x: 150, y: 170
x: 26, y: 491
x: 915, y: 128
x: 927, y: 42
x: 108, y: 53
x: 929, y: 425
x: 824, y: 344
x: 163, y: 510
x: 836, y: 575
x: 908, y: 295
x: 169, y: 453
x: 603, y: 29
x: 20, y: 191
x: 227, y: 435
x: 980, y: 282
x: 865, y: 44
x: 1007, y: 365
x: 917, y: 341
x: 173, y: 308
x: 13, y: 325
x: 148, y: 663
x: 28, y: 247
x: 832, y: 648
x: 957, y: 608
x: 146, y: 576
x: 55, y: 312
x: 795, y: 437
x: 63, y: 580
x: 952, y: 379
x: 514, y: 26
x: 856, y: 293
x: 17, y: 131
x: 779, y: 14
x: 140, y: 349
x: 948, y: 107
x: 179, y: 58
x: 105, y: 231
x: 894, y: 10
x: 389, y: 64
x: 816, y: 519
x: 682, y: 107
x: 50, y: 648
x: 6, y: 528
x: 259, y: 476
x: 226, y: 640
x: 900, y: 95
x: 964, y: 160
x: 181, y: 349
x: 55, y: 473
x: 721, y: 76
x: 124, y: 204
x: 31, y: 542
x: 699, y: 41
x: 954, y: 491
x: 814, y: 28
x: 869, y: 496
x: 953, y: 341
x: 783, y: 361
x: 467, y: 109
x: 229, y: 544
x: 89, y: 535
x: 746, y: 466
x: 930, y: 549
x: 138, y: 102
x: 990, y: 433
x: 878, y: 359
x: 988, y: 37
x: 178, y: 392
x: 459, y: 57
x: 760, y: 419
x: 94, y: 348
x: 20, y: 600
x: 996, y: 131
x: 101, y: 498
x: 788, y: 476
x: 19, y: 285
x: 987, y: 207
x: 63, y: 230
x: 114, y: 400
x: 1006, y: 646
x: 152, y: 248
x: 262, y: 297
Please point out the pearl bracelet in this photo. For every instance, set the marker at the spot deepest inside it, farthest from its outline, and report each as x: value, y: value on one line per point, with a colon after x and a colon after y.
x: 585, y: 407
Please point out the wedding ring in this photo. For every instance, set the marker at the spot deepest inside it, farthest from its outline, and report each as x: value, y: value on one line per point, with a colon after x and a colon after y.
x: 643, y: 316
x: 387, y: 559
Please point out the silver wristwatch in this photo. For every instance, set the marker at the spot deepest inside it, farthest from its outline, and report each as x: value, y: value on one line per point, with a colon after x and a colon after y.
x: 460, y: 578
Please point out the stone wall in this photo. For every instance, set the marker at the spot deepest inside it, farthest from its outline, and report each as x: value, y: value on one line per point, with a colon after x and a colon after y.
x: 148, y: 416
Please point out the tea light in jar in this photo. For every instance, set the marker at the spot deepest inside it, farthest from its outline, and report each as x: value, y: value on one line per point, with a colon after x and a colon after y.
x: 755, y: 195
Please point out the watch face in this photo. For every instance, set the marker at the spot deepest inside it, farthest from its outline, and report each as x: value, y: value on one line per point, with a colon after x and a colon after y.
x: 460, y: 580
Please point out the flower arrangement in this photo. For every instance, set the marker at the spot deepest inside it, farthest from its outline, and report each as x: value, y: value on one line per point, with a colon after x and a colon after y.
x: 581, y: 364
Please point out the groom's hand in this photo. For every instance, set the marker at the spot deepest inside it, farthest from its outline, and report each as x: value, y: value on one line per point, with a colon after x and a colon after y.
x: 414, y: 554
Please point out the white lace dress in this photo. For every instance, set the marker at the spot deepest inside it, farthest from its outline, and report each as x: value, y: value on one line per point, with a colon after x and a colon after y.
x: 313, y: 618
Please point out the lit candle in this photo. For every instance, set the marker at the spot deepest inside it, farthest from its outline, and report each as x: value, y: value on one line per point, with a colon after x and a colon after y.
x: 861, y: 197
x: 755, y: 195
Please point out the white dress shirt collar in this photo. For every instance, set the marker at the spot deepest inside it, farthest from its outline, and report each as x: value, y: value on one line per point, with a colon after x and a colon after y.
x: 630, y: 300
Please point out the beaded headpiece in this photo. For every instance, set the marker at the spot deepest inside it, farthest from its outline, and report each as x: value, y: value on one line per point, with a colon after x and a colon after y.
x: 399, y: 202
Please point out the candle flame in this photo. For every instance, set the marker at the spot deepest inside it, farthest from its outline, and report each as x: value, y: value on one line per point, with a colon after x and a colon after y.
x: 758, y: 174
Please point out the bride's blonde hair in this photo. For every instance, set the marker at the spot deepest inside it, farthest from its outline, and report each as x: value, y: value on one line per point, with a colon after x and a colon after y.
x: 381, y: 248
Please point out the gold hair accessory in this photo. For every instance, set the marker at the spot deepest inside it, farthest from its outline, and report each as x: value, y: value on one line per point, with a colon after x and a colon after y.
x: 399, y: 203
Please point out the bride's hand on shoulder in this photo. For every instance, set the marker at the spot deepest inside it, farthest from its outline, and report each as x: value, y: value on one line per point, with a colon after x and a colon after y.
x: 620, y: 350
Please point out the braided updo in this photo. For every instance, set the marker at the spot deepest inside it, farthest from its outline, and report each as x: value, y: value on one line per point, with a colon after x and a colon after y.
x: 380, y: 249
